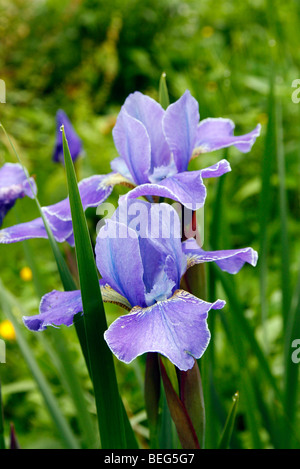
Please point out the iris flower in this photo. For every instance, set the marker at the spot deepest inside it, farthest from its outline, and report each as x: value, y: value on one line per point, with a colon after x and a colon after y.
x: 141, y: 260
x: 93, y: 191
x: 155, y: 147
x: 75, y: 144
x: 13, y: 185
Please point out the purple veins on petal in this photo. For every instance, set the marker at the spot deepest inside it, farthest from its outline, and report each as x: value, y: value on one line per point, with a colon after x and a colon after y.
x: 93, y: 191
x: 74, y: 142
x: 59, y: 307
x: 176, y: 328
x: 180, y: 128
x: 23, y: 231
x: 119, y: 262
x: 150, y: 113
x: 56, y: 308
x: 186, y: 188
x: 216, y: 133
x: 231, y: 260
x: 158, y: 230
x: 155, y: 145
x: 133, y: 144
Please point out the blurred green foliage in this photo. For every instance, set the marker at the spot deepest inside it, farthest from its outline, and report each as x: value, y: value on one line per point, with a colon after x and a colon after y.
x: 86, y: 57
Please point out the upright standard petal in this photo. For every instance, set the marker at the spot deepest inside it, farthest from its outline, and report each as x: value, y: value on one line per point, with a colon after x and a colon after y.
x: 119, y: 166
x: 133, y: 145
x: 13, y: 185
x: 158, y: 228
x: 180, y: 128
x: 119, y: 261
x: 216, y: 133
x: 150, y: 113
x: 74, y: 142
x: 230, y: 261
x: 176, y: 328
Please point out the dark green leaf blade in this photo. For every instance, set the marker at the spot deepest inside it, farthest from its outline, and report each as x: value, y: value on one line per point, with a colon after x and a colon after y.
x: 109, y: 410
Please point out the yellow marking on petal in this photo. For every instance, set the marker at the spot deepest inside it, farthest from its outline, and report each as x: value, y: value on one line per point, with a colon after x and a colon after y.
x: 7, y: 330
x: 198, y: 151
x: 117, y: 178
x: 178, y: 294
x: 109, y: 295
x: 26, y: 274
x: 4, y: 235
x: 192, y: 260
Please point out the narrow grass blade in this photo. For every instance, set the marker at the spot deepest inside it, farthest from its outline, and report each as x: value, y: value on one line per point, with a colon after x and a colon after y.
x: 291, y: 378
x: 64, y: 429
x: 208, y: 360
x: 265, y: 201
x: 229, y: 424
x: 245, y: 329
x: 109, y: 411
x: 283, y: 214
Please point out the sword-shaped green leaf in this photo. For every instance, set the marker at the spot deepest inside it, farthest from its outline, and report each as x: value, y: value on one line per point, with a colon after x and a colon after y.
x: 109, y: 410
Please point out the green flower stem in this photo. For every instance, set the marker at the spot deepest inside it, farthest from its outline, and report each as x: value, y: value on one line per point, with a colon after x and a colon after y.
x: 152, y: 396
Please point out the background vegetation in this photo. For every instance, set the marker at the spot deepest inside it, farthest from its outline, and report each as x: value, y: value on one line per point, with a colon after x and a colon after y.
x: 239, y: 60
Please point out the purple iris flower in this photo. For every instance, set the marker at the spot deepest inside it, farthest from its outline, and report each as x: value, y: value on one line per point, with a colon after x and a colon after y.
x: 13, y: 185
x: 93, y: 191
x: 141, y: 259
x: 75, y: 144
x: 156, y: 146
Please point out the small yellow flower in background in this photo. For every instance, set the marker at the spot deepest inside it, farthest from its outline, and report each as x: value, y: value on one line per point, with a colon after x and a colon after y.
x: 207, y: 31
x: 7, y: 330
x: 26, y: 274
